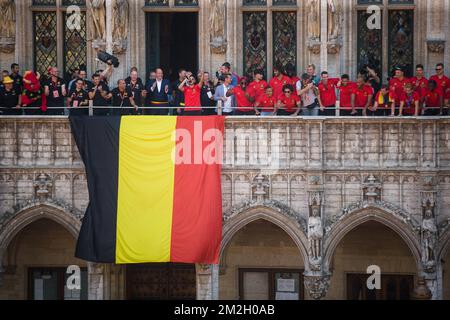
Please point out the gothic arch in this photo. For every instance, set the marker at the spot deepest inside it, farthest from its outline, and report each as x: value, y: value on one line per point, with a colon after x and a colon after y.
x: 13, y: 224
x: 443, y: 244
x: 383, y: 215
x: 240, y: 218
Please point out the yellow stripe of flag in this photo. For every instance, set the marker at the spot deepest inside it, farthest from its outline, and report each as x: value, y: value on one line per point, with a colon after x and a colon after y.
x: 145, y: 191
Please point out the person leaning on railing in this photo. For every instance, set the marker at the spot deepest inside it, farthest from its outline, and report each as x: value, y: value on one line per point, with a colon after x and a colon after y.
x: 78, y: 99
x: 55, y: 91
x: 10, y: 99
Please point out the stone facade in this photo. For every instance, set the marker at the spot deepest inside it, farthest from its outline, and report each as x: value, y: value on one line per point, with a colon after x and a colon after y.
x: 351, y: 171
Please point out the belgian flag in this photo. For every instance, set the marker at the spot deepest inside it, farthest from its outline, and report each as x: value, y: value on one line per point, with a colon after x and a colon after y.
x: 154, y: 188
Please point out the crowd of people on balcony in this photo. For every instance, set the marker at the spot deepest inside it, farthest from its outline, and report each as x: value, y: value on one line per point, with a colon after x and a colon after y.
x: 226, y: 93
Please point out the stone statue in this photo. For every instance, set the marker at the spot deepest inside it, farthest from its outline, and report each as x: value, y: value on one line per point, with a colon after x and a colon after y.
x: 314, y: 19
x: 315, y: 234
x: 8, y: 19
x: 217, y: 23
x: 429, y: 233
x: 98, y: 13
x: 334, y: 19
x: 120, y: 24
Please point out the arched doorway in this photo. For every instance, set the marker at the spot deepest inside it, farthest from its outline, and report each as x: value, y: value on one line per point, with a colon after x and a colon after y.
x: 36, y: 260
x: 261, y: 261
x: 367, y: 244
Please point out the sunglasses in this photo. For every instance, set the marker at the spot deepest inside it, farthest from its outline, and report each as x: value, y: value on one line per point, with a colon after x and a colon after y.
x: 287, y: 91
x: 439, y: 69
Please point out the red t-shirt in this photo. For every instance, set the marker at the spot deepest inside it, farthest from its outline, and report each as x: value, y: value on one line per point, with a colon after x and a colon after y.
x: 346, y: 95
x: 362, y: 95
x: 277, y: 85
x: 420, y: 85
x: 294, y: 81
x: 192, y: 98
x: 432, y: 99
x: 442, y: 83
x: 256, y: 89
x: 289, y: 102
x: 398, y: 86
x: 328, y: 93
x: 410, y: 102
x: 447, y: 94
x: 243, y: 104
x: 266, y: 103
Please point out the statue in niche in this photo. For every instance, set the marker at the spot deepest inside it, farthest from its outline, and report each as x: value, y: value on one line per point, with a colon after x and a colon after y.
x: 98, y: 12
x: 315, y: 234
x: 314, y: 20
x: 217, y: 21
x: 429, y: 234
x: 334, y: 19
x: 120, y: 19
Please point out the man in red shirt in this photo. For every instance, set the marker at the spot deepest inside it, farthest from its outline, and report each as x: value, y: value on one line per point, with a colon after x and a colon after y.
x: 362, y: 97
x: 345, y: 87
x: 257, y: 87
x: 288, y: 103
x: 327, y: 95
x: 292, y: 74
x: 278, y: 81
x: 409, y: 102
x: 419, y: 82
x: 397, y: 84
x: 244, y: 102
x: 433, y: 101
x: 191, y: 90
x: 266, y: 103
x: 441, y: 80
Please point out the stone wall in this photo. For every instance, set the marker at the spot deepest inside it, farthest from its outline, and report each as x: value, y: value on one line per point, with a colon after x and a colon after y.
x: 353, y: 170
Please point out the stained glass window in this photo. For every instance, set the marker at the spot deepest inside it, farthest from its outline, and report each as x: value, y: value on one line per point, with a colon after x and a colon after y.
x: 186, y: 2
x: 74, y: 2
x: 401, y: 49
x: 44, y: 2
x: 255, y: 2
x: 156, y: 2
x: 285, y: 39
x: 74, y: 43
x: 45, y: 43
x: 370, y: 48
x: 284, y: 2
x: 401, y: 1
x: 255, y: 43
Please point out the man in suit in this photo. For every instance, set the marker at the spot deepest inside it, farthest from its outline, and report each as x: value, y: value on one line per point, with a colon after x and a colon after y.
x: 228, y: 102
x: 158, y: 91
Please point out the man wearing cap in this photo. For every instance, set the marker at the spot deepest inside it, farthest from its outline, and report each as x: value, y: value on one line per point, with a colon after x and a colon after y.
x: 9, y: 98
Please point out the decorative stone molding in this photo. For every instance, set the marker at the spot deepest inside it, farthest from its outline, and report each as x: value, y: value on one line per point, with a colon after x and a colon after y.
x: 314, y: 46
x: 271, y: 204
x: 436, y: 46
x: 395, y: 210
x: 334, y: 47
x: 317, y: 285
x: 43, y: 187
x: 7, y: 45
x: 218, y: 46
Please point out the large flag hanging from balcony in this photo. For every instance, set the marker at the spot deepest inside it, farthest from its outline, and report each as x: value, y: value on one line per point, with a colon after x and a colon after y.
x: 154, y: 188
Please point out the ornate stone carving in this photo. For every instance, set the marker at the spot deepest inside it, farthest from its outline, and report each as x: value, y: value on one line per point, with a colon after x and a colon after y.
x: 372, y: 189
x: 334, y: 16
x: 315, y: 236
x: 43, y: 187
x: 7, y: 26
x: 217, y: 21
x: 396, y: 211
x: 314, y: 46
x: 204, y: 269
x: 98, y: 13
x: 313, y: 20
x: 429, y: 232
x: 334, y: 47
x: 260, y: 188
x: 317, y: 285
x: 271, y: 204
x: 436, y: 46
x: 120, y: 22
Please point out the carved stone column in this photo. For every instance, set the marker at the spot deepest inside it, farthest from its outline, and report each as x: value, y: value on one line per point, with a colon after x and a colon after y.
x: 207, y: 281
x: 96, y: 281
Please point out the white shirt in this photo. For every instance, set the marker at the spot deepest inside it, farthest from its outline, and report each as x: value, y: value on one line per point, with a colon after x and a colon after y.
x: 227, y: 105
x: 158, y: 84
